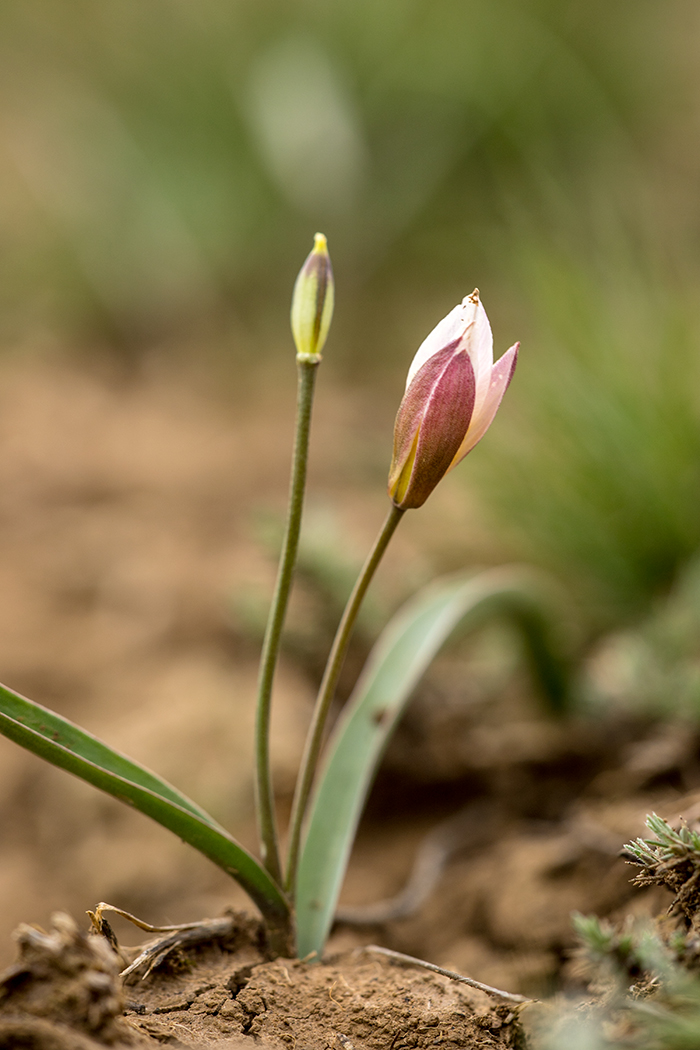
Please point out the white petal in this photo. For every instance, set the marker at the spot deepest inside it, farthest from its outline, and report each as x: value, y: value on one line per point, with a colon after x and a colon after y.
x: 499, y: 377
x: 480, y: 349
x: 446, y: 331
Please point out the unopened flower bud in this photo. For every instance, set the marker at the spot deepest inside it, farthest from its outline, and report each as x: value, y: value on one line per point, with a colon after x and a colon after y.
x: 312, y: 301
x: 452, y: 393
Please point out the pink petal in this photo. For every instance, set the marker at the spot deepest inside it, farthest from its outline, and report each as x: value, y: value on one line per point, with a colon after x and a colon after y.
x: 482, y: 417
x: 413, y: 407
x: 432, y: 420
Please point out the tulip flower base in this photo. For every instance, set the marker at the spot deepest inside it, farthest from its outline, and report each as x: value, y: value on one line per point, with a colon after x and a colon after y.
x: 65, y: 994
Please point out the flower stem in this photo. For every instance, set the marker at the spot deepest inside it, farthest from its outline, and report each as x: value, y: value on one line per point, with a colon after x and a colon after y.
x: 267, y: 825
x: 326, y: 692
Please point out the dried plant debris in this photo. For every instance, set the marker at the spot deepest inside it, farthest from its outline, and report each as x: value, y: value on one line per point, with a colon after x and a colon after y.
x: 672, y: 859
x: 233, y: 930
x: 63, y: 976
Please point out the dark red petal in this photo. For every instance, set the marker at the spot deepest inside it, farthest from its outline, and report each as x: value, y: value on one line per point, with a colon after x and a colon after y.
x: 437, y: 408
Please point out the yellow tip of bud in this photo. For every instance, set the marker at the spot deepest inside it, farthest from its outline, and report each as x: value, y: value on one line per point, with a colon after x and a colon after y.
x: 312, y: 301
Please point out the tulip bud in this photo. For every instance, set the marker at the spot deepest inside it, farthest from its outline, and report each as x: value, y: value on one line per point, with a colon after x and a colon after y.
x: 312, y: 301
x: 452, y: 394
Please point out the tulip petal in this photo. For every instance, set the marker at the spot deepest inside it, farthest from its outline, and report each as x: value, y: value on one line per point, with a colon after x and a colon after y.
x: 480, y: 349
x: 410, y: 416
x: 482, y: 417
x: 469, y: 322
x: 432, y: 420
x: 445, y: 333
x: 400, y: 477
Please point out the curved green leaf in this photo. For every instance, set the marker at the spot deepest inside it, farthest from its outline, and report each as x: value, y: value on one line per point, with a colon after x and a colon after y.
x: 58, y: 730
x: 398, y: 660
x: 66, y: 745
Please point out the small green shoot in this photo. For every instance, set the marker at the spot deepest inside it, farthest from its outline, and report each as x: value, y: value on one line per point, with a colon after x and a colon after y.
x: 669, y: 844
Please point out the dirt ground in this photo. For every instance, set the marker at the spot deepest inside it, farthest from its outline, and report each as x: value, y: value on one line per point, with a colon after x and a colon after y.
x: 66, y: 994
x: 134, y: 569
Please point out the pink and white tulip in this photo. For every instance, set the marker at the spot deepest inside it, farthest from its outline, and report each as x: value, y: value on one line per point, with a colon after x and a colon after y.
x: 453, y: 391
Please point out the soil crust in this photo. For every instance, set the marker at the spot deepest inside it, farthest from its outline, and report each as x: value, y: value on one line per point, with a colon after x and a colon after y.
x: 65, y: 993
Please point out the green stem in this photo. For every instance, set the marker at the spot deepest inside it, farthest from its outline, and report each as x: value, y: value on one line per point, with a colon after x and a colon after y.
x: 267, y: 824
x: 326, y: 692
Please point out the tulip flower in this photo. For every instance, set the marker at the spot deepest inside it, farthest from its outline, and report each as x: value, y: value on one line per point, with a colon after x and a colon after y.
x: 453, y: 391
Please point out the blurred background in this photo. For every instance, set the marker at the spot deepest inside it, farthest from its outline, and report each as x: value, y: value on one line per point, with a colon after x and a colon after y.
x: 163, y: 168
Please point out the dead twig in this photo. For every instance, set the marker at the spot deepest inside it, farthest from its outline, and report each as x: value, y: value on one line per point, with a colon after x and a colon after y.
x: 510, y: 997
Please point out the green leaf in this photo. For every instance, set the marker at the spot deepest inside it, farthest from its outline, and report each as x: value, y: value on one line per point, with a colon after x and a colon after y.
x: 398, y: 660
x: 58, y: 730
x: 66, y: 745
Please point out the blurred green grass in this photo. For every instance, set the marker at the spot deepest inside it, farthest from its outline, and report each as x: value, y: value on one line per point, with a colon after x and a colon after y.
x: 160, y: 158
x: 597, y: 476
x: 163, y: 166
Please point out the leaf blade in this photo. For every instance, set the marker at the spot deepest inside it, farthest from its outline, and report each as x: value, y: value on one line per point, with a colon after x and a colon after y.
x: 65, y: 745
x: 357, y: 743
x: 57, y: 729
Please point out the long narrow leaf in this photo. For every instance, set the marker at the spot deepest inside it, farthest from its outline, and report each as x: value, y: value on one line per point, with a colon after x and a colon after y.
x: 399, y: 659
x: 58, y: 730
x: 66, y: 745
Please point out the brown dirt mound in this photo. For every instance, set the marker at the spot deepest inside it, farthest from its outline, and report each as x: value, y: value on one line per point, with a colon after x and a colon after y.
x: 65, y: 994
